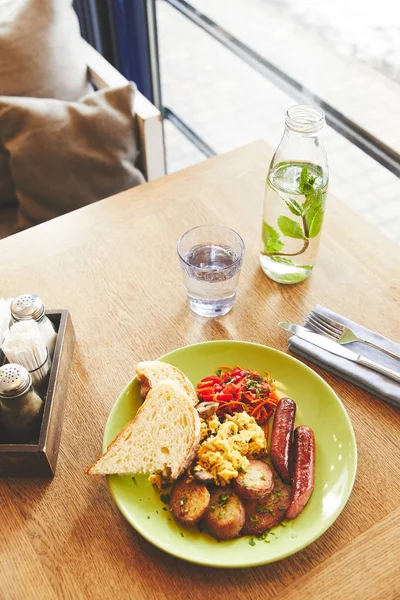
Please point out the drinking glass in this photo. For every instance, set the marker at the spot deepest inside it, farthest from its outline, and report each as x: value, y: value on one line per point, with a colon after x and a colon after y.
x: 211, y: 257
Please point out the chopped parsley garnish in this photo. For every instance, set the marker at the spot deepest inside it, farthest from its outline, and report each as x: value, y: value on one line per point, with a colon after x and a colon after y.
x: 147, y: 517
x: 181, y: 534
x: 165, y: 498
x: 223, y: 499
x: 266, y: 509
x: 134, y: 480
x: 219, y: 372
x: 165, y: 508
x: 252, y: 542
x: 253, y: 519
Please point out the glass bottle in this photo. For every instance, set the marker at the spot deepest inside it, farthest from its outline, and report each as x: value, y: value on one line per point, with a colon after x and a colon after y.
x: 30, y: 306
x: 20, y: 405
x: 295, y: 196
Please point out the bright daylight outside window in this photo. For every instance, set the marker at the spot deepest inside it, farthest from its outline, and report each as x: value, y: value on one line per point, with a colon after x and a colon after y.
x: 345, y: 55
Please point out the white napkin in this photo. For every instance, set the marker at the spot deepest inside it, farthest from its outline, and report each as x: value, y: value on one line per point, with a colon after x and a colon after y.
x: 5, y: 316
x: 365, y: 378
x: 24, y: 345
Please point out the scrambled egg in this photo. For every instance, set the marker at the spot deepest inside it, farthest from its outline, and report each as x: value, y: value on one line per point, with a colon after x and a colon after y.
x: 225, y: 446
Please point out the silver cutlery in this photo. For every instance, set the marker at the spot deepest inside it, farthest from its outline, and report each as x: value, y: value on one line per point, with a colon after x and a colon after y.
x: 331, y: 346
x: 339, y: 333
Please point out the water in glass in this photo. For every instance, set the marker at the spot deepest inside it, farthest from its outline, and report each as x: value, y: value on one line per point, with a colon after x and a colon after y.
x: 211, y: 279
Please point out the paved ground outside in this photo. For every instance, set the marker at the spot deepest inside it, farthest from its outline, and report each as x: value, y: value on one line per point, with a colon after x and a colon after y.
x: 228, y: 104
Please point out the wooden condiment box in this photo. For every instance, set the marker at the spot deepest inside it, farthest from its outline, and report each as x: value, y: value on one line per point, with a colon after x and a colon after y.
x: 40, y: 459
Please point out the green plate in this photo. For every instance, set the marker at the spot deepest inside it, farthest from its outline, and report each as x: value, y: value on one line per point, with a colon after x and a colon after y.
x: 317, y: 406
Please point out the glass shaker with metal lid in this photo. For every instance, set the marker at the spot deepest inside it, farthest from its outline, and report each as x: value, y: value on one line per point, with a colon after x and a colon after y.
x: 30, y: 306
x: 20, y: 405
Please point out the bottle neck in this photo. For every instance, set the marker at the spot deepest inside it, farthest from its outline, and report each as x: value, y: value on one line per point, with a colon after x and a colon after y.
x: 305, y: 119
x: 302, y: 148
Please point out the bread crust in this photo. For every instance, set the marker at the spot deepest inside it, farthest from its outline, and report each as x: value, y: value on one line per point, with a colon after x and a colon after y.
x: 147, y: 377
x: 176, y: 391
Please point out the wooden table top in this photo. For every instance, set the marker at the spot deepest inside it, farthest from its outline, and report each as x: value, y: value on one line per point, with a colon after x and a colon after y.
x: 114, y: 266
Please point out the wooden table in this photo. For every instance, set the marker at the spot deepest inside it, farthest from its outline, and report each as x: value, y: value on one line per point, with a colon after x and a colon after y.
x: 114, y: 266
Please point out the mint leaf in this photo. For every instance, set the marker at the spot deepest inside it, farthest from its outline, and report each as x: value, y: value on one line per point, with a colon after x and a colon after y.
x: 290, y: 228
x: 291, y: 263
x: 283, y: 260
x: 294, y: 207
x: 271, y: 239
x: 303, y: 181
x: 314, y: 221
x: 292, y: 278
x: 315, y: 197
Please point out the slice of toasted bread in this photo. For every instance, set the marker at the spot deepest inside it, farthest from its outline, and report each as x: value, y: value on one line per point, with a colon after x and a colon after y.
x: 164, y: 435
x: 151, y: 372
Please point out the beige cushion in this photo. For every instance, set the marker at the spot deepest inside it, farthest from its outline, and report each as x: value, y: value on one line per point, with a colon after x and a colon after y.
x: 7, y: 192
x: 39, y: 56
x: 40, y: 50
x: 64, y: 155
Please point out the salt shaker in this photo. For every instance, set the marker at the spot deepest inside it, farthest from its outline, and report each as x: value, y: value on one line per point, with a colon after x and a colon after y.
x: 20, y: 405
x: 30, y: 306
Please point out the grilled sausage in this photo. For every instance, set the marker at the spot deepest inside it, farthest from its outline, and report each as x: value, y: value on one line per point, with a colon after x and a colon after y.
x: 262, y: 515
x: 281, y: 440
x: 225, y: 515
x: 256, y: 482
x: 189, y: 501
x: 304, y: 469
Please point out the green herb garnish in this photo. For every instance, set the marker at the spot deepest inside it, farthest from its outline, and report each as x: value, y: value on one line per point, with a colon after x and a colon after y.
x: 165, y: 498
x: 266, y: 509
x: 252, y: 542
x: 223, y: 499
x: 253, y: 519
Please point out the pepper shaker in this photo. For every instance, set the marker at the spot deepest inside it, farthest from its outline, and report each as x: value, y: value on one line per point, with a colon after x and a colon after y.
x: 20, y: 405
x: 30, y: 306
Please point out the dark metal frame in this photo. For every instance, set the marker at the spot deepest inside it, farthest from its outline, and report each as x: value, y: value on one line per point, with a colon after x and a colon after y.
x: 188, y: 132
x: 361, y: 138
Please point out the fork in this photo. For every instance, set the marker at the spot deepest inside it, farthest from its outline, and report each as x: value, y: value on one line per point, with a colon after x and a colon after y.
x: 338, y: 332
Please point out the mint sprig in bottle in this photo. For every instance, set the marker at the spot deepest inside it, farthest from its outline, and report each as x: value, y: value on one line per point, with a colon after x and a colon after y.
x: 295, y: 196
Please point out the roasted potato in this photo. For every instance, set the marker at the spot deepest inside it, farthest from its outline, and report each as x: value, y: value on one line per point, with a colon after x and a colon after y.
x: 256, y: 482
x: 225, y: 514
x: 189, y: 501
x: 267, y: 513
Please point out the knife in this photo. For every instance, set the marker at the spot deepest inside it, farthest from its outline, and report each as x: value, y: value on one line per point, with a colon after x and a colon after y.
x: 330, y: 346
